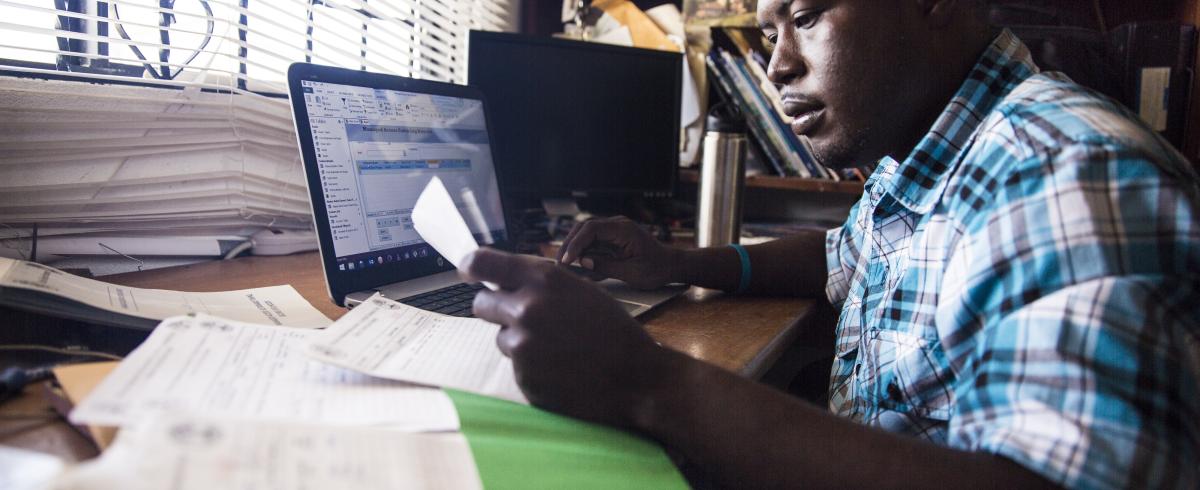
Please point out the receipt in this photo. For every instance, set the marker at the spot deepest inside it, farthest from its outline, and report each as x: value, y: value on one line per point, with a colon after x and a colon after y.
x: 276, y: 305
x: 437, y: 220
x: 202, y: 453
x: 217, y: 367
x: 390, y: 340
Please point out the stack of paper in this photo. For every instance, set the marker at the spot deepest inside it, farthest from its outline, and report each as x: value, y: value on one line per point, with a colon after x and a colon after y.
x: 101, y: 170
x: 211, y: 403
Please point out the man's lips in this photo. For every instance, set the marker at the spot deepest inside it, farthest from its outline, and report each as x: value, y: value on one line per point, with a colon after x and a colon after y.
x: 806, y: 113
x: 807, y: 122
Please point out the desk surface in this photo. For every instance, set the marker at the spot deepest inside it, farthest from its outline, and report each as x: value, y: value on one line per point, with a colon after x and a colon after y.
x: 743, y: 335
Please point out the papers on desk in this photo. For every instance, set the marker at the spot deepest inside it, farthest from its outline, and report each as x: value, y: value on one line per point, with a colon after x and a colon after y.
x: 211, y: 403
x: 386, y: 339
x: 186, y: 454
x: 113, y: 157
x: 277, y: 305
x: 220, y: 368
x: 27, y: 470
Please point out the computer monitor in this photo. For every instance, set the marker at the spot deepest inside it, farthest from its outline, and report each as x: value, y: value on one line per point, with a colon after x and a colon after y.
x: 579, y: 119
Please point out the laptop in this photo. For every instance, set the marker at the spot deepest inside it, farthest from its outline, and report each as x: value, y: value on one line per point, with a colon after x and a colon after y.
x: 370, y: 143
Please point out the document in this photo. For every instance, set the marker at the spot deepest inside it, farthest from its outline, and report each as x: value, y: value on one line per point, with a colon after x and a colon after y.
x: 275, y: 305
x: 202, y: 454
x: 390, y: 340
x: 27, y: 470
x: 437, y: 220
x: 207, y: 365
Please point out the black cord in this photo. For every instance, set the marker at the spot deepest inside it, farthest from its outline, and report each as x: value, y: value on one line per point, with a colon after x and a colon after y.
x: 1100, y: 16
x: 33, y: 244
x: 14, y: 380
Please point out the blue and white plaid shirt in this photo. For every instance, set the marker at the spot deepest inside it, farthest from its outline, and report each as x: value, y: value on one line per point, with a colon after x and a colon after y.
x: 1027, y: 283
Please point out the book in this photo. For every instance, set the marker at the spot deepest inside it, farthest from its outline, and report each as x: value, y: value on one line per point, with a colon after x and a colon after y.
x: 724, y: 80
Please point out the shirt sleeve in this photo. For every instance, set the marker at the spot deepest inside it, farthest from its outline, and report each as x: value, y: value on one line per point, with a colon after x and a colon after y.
x: 1081, y: 359
x: 842, y: 247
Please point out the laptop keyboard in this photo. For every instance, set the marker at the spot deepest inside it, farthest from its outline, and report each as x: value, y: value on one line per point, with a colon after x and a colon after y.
x: 451, y: 300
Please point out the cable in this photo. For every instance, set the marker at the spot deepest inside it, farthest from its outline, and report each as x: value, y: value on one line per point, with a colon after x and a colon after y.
x: 14, y: 380
x: 59, y: 350
x: 237, y: 250
x: 1099, y: 15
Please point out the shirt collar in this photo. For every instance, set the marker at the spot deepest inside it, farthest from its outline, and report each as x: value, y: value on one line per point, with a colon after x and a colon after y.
x: 918, y: 181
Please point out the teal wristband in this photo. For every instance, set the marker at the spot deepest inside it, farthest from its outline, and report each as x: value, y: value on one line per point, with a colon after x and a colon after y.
x: 744, y: 282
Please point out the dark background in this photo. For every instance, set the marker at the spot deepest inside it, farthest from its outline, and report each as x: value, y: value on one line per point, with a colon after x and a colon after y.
x: 541, y: 17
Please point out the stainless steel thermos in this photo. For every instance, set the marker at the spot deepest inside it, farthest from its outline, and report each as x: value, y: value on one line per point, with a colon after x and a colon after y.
x: 722, y: 177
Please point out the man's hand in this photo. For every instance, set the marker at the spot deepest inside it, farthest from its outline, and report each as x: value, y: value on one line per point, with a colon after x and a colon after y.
x: 574, y: 349
x: 619, y: 248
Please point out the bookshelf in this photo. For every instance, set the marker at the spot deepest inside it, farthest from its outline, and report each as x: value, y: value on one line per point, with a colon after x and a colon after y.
x: 1118, y: 12
x: 692, y: 176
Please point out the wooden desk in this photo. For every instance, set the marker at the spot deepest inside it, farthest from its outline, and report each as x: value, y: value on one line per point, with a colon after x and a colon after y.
x: 743, y: 335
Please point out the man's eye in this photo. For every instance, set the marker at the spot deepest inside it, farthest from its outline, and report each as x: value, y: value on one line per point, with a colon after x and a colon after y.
x: 771, y: 38
x: 808, y: 19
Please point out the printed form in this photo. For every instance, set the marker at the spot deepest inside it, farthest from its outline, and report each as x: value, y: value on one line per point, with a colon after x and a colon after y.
x: 216, y: 367
x: 275, y: 305
x: 390, y: 340
x: 199, y: 454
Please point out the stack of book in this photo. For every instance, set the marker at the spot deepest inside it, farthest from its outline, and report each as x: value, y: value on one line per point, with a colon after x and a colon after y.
x: 737, y: 64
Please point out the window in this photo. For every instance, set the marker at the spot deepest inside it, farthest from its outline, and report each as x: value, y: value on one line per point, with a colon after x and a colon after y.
x: 246, y: 43
x: 132, y: 120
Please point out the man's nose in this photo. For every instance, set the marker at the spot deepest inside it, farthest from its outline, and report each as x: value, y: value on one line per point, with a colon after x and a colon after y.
x: 786, y: 62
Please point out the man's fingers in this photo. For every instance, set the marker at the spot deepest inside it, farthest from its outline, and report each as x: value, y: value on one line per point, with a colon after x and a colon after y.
x: 605, y: 266
x: 580, y: 239
x: 495, y: 307
x: 508, y: 339
x: 603, y: 235
x: 504, y: 269
x: 567, y: 241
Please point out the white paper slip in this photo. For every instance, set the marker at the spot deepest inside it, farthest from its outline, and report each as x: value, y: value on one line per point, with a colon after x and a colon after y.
x: 27, y: 470
x: 216, y: 367
x: 201, y: 454
x: 437, y: 220
x: 383, y: 338
x: 275, y: 305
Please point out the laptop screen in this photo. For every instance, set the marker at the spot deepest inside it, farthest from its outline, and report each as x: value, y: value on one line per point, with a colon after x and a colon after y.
x: 376, y: 150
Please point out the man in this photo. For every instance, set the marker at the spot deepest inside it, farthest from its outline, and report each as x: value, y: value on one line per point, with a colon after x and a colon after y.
x: 1018, y: 290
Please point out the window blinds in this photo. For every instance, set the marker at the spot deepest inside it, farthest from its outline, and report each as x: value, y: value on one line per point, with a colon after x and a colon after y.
x: 125, y: 119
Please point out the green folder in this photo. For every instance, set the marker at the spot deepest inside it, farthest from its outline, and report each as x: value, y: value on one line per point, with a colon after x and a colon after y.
x: 517, y: 446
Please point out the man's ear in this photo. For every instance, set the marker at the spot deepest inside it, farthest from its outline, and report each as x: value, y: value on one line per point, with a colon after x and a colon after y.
x: 940, y: 13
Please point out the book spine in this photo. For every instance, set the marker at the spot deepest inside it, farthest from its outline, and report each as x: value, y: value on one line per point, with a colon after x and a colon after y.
x: 779, y: 133
x: 802, y: 157
x: 725, y: 80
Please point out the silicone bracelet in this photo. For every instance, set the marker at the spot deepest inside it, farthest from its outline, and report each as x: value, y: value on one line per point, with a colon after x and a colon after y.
x: 744, y: 282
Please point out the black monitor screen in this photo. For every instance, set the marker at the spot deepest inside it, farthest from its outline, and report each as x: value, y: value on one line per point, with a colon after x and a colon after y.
x: 578, y: 118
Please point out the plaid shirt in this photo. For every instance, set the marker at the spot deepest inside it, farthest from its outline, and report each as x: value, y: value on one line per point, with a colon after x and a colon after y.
x: 1026, y: 284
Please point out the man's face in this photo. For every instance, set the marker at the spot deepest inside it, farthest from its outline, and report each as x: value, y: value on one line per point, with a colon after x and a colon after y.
x: 846, y: 73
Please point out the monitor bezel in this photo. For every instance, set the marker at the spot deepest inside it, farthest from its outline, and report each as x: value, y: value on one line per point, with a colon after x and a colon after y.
x: 475, y: 36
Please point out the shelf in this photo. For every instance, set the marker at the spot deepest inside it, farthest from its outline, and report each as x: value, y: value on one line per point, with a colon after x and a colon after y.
x: 692, y: 176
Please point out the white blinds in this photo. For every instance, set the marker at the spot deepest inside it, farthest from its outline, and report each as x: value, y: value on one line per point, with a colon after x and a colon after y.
x: 201, y: 143
x: 247, y: 42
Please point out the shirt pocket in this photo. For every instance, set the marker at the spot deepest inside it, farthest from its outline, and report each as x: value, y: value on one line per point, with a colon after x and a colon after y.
x: 905, y: 373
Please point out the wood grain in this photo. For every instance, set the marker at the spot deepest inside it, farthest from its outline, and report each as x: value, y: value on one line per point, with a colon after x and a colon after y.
x: 739, y: 334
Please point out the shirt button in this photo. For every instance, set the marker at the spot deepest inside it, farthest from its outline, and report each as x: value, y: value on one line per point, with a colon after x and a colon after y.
x: 894, y: 392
